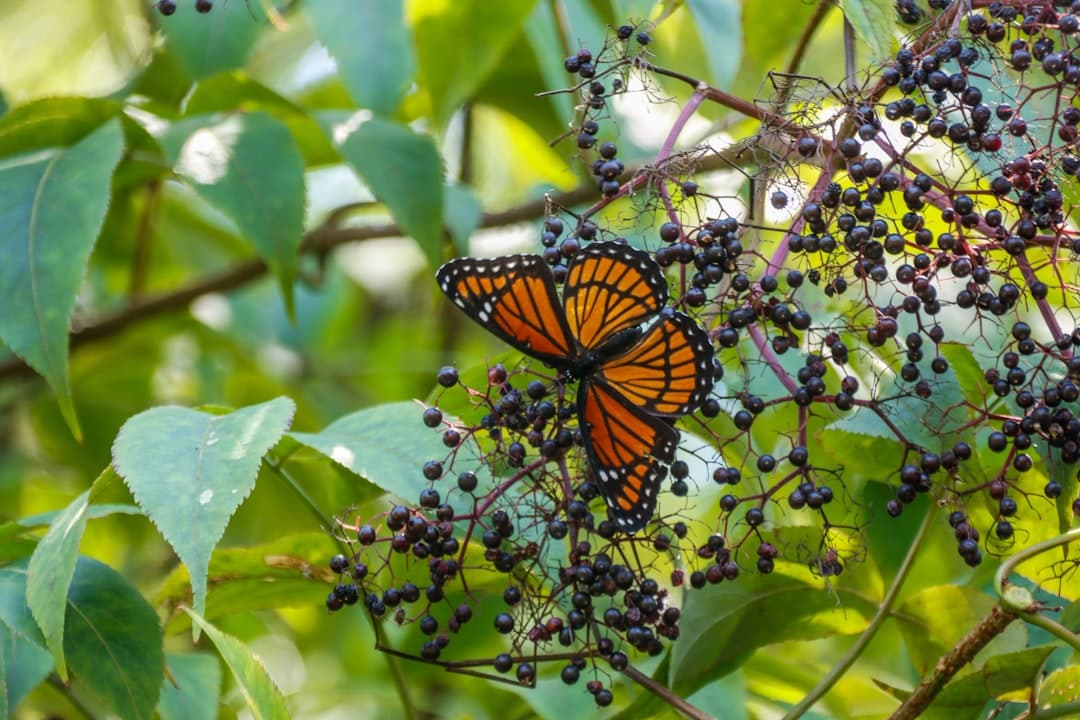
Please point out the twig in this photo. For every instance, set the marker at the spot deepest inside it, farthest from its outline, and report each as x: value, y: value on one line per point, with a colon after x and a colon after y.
x: 673, y: 699
x: 962, y: 653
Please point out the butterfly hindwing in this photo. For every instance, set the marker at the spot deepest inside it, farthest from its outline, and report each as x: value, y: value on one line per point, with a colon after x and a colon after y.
x: 610, y: 287
x: 515, y: 298
x: 670, y: 369
x: 628, y: 449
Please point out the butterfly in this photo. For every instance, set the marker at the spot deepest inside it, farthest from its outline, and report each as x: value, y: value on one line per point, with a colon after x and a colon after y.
x: 633, y: 380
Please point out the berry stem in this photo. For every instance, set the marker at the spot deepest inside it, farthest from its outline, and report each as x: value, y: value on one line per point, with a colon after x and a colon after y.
x: 308, y: 502
x: 673, y: 699
x: 884, y: 611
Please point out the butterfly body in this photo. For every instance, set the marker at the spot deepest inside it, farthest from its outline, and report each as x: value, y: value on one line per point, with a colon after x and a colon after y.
x: 639, y: 364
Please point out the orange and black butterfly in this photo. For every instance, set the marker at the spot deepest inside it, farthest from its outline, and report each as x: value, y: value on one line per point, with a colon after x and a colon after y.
x: 633, y: 379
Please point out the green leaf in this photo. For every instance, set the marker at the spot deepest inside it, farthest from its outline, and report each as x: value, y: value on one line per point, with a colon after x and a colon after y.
x: 288, y: 572
x: 262, y: 697
x: 1060, y: 687
x: 873, y: 22
x: 459, y: 44
x: 206, y: 44
x: 53, y: 122
x: 722, y: 624
x: 249, y: 167
x: 936, y: 618
x: 463, y: 212
x: 403, y: 170
x: 51, y: 210
x: 49, y: 574
x: 194, y: 689
x: 371, y: 45
x: 93, y: 512
x: 386, y: 444
x: 190, y: 470
x: 23, y: 665
x: 113, y: 641
x: 720, y: 26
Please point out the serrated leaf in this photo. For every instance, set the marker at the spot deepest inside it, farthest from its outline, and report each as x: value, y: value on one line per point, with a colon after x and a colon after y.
x: 49, y: 575
x: 192, y: 690
x: 53, y: 122
x: 459, y: 44
x: 995, y: 680
x: 23, y: 665
x: 403, y: 170
x: 873, y: 22
x: 372, y: 47
x: 386, y: 444
x: 249, y: 167
x: 51, y: 210
x: 288, y: 572
x: 112, y: 640
x: 719, y: 22
x: 462, y: 213
x: 722, y: 624
x: 190, y: 470
x: 262, y: 697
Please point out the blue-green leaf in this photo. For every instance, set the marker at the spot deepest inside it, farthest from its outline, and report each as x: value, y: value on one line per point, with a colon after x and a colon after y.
x: 49, y: 575
x: 51, y: 209
x: 190, y: 470
x: 371, y: 45
x: 403, y: 170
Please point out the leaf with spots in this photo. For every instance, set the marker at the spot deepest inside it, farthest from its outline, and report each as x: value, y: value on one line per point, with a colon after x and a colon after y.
x: 387, y: 445
x: 190, y: 470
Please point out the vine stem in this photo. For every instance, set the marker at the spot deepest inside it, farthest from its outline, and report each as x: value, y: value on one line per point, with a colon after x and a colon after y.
x: 672, y: 699
x: 883, y: 612
x: 393, y: 663
x: 1019, y: 601
x: 301, y: 493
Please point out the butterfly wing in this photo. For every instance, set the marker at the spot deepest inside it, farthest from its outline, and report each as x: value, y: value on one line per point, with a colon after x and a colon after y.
x: 628, y: 450
x: 669, y: 371
x: 610, y: 287
x: 513, y: 297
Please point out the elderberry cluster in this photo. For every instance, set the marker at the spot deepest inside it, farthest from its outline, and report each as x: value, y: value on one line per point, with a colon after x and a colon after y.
x: 610, y: 62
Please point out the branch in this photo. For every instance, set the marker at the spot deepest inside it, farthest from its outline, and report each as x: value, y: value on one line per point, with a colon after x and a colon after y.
x: 962, y: 653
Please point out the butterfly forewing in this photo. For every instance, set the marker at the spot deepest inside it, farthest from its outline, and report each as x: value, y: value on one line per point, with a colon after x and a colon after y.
x: 515, y: 298
x: 628, y: 450
x: 610, y: 287
x: 669, y: 371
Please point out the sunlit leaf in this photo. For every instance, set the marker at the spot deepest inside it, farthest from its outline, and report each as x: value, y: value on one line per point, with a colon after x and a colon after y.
x: 288, y: 572
x: 722, y: 624
x: 190, y: 470
x: 387, y: 445
x: 459, y: 44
